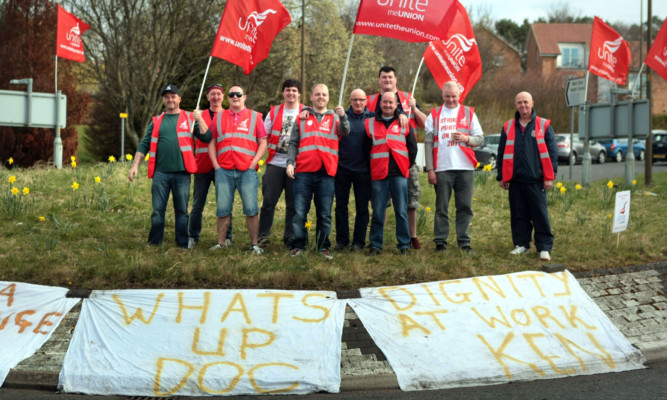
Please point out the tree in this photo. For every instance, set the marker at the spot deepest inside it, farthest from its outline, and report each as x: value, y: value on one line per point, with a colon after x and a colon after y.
x: 27, y: 50
x: 136, y: 47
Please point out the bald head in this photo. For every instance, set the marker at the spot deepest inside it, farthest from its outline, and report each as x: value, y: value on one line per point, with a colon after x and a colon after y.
x: 358, y: 101
x: 524, y: 105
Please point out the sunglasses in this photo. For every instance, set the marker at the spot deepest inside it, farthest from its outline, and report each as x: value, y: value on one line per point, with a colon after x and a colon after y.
x: 235, y: 94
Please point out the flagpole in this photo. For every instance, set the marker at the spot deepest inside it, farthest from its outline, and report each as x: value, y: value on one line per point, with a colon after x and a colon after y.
x: 638, y: 79
x: 57, y: 142
x: 192, y: 126
x: 347, y: 62
x: 414, y: 86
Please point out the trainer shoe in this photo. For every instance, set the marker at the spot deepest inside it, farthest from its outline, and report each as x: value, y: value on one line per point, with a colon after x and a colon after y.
x: 295, y: 252
x: 414, y: 243
x: 405, y: 251
x: 544, y: 255
x: 217, y: 246
x: 518, y: 250
x: 356, y: 247
x: 263, y: 241
x: 467, y: 249
x: 440, y: 247
x: 325, y: 253
x: 228, y: 242
x: 340, y: 247
x: 191, y: 243
x: 374, y: 251
x: 256, y: 249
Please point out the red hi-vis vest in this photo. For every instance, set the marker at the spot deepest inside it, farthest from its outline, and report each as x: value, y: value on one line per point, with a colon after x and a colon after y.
x: 185, y: 142
x: 318, y: 144
x: 463, y: 122
x: 541, y: 126
x: 204, y: 164
x: 404, y: 100
x: 385, y: 140
x: 236, y: 146
x: 276, y: 113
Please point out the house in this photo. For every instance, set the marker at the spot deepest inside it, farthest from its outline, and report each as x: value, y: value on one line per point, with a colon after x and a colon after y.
x: 496, y: 53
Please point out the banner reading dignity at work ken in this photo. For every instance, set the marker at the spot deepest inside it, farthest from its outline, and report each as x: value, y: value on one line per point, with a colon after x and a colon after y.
x: 492, y: 329
x: 28, y: 316
x: 205, y: 342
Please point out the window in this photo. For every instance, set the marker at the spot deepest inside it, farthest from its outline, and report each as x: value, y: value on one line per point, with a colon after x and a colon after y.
x: 498, y: 60
x: 572, y: 55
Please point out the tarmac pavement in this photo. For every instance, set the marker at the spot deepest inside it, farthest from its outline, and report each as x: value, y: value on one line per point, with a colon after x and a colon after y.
x: 633, y: 297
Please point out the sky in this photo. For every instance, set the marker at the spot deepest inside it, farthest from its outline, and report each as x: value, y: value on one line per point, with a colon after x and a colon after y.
x: 611, y: 11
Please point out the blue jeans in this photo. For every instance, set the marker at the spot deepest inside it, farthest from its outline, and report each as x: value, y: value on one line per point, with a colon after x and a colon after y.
x: 227, y: 181
x: 309, y: 185
x: 199, y: 194
x: 179, y: 185
x: 362, y: 194
x: 397, y: 188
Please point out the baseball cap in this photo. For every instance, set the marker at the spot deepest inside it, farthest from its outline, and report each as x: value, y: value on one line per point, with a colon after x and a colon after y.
x: 171, y: 89
x: 215, y: 86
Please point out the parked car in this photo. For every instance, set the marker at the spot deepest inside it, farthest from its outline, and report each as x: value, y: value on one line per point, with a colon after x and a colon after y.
x: 573, y: 154
x: 490, y: 146
x: 659, y: 145
x: 617, y: 149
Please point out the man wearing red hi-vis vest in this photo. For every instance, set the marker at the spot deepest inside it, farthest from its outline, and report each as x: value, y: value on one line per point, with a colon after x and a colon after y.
x: 528, y: 164
x: 170, y: 145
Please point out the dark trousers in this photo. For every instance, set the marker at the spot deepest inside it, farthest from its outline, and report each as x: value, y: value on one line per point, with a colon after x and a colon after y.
x: 362, y: 184
x: 529, y: 212
x: 274, y: 181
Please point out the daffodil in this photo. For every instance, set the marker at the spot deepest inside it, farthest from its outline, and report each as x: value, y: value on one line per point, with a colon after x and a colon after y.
x: 26, y: 191
x: 608, y: 215
x: 10, y: 161
x: 428, y: 209
x: 73, y: 159
x: 559, y: 185
x: 15, y: 191
x: 578, y: 187
x: 73, y: 164
x: 147, y: 157
x: 634, y: 182
x: 648, y: 194
x: 478, y: 164
x: 261, y: 162
x: 610, y: 185
x: 128, y: 157
x: 75, y: 185
x: 112, y: 159
x: 487, y: 168
x: 308, y: 225
x: 41, y: 219
x: 11, y: 179
x: 98, y: 179
x: 563, y: 189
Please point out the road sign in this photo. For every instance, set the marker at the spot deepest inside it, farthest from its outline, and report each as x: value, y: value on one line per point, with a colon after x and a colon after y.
x: 575, y: 91
x: 32, y: 109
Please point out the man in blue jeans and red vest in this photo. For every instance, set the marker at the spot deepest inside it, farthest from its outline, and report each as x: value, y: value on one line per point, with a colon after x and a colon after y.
x: 170, y: 146
x: 312, y: 163
x: 238, y: 143
x: 452, y: 130
x: 529, y: 164
x: 393, y: 150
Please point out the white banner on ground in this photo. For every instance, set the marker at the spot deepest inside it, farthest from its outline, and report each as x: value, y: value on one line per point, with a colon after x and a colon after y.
x: 492, y: 329
x: 205, y: 342
x: 28, y: 316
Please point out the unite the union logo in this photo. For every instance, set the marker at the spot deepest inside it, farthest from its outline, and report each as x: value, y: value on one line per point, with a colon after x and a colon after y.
x: 253, y: 22
x: 609, y: 47
x: 458, y: 45
x: 243, y: 126
x: 74, y: 35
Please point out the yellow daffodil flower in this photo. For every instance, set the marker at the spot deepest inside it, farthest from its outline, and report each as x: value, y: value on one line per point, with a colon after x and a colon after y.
x: 11, y: 160
x: 75, y: 185
x: 308, y: 225
x: 261, y: 162
x: 563, y: 189
x: 128, y: 157
x: 112, y: 159
x: 478, y: 164
x: 578, y: 187
x: 147, y: 157
x: 11, y: 179
x: 634, y: 182
x: 26, y: 191
x: 73, y: 159
x: 73, y: 164
x: 610, y: 185
x: 98, y: 179
x: 15, y: 191
x: 559, y: 185
x: 608, y: 215
x: 42, y: 219
x: 428, y: 209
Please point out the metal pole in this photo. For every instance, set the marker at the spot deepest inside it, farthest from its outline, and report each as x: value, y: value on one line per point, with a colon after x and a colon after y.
x: 648, y: 163
x: 57, y: 142
x: 122, y: 138
x: 303, y: 43
x: 641, y: 43
x: 571, y: 138
x: 630, y: 155
x: 586, y: 163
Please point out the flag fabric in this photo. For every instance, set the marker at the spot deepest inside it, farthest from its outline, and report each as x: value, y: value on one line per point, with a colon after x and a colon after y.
x: 457, y: 58
x: 247, y: 29
x: 657, y: 55
x: 407, y: 20
x: 610, y: 54
x: 68, y: 39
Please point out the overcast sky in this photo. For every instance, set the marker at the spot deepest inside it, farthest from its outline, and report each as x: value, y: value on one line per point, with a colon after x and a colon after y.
x: 611, y: 11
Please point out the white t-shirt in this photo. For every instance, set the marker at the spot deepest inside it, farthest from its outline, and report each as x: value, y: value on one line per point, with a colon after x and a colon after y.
x: 450, y: 155
x: 289, y: 116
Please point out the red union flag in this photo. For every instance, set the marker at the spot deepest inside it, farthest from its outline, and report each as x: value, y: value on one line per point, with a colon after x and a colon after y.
x: 610, y: 54
x: 407, y: 20
x: 68, y: 39
x: 657, y: 55
x: 456, y: 59
x: 247, y: 30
